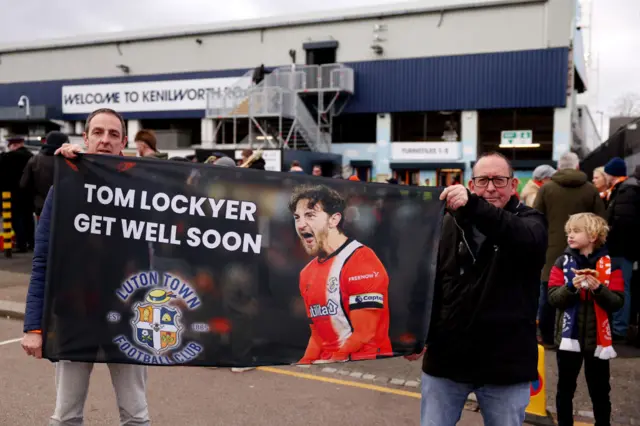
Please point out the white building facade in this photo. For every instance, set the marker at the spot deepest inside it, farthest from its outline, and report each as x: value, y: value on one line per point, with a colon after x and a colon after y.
x: 414, y: 92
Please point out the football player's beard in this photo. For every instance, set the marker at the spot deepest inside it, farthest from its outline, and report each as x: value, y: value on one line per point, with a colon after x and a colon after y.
x: 310, y: 248
x: 315, y: 248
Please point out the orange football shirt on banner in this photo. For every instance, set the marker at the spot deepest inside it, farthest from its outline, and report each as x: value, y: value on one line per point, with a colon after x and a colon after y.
x: 351, y: 278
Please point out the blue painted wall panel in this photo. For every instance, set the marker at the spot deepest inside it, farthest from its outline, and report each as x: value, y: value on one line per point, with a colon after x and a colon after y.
x: 534, y: 78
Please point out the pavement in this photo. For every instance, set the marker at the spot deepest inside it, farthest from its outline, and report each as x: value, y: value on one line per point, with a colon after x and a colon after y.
x: 200, y: 396
x: 344, y: 392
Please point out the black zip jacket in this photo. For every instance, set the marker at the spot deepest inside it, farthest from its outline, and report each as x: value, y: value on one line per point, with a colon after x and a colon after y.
x: 37, y: 176
x: 483, y: 325
x: 622, y: 212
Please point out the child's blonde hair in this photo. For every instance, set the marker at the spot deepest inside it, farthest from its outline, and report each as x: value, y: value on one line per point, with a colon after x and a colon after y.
x: 593, y: 224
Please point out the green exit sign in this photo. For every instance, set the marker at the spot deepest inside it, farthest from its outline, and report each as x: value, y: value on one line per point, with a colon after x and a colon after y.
x: 516, y: 137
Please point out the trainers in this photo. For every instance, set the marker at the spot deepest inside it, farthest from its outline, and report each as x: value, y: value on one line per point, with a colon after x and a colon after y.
x: 242, y: 370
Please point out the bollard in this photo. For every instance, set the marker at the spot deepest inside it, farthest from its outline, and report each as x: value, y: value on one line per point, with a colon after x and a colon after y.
x: 7, y: 233
x: 536, y: 412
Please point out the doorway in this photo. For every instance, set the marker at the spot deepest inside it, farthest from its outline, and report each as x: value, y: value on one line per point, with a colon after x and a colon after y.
x: 321, y: 56
x: 447, y: 177
x: 363, y: 173
x: 407, y: 176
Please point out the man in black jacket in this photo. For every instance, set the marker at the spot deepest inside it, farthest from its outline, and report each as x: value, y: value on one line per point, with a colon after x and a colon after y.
x: 12, y: 164
x: 37, y: 177
x: 623, y: 209
x: 482, y: 337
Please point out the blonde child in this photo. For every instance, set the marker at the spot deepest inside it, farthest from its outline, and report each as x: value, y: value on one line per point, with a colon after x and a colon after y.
x: 586, y: 289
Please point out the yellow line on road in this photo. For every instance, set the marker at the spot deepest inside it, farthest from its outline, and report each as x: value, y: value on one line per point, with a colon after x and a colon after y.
x: 356, y: 385
x: 341, y: 382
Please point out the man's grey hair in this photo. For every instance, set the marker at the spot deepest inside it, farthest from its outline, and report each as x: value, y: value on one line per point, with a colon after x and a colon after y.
x: 543, y: 172
x: 569, y: 160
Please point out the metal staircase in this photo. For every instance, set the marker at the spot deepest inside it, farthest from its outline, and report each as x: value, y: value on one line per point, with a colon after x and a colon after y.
x: 275, y: 111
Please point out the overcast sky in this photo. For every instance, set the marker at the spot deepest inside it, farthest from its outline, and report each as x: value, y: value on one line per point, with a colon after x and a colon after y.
x: 615, y: 28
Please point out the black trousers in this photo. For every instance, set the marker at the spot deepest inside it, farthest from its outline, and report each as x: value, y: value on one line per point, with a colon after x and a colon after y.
x: 23, y: 226
x: 596, y: 371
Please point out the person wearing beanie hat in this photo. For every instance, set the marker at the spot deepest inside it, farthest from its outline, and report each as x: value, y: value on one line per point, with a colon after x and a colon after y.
x: 623, y: 209
x: 54, y: 140
x: 541, y: 175
x: 146, y: 144
x: 616, y: 173
x: 616, y: 167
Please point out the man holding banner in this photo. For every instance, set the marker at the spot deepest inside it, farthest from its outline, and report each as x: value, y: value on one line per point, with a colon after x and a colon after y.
x: 482, y: 337
x: 104, y: 134
x: 345, y: 287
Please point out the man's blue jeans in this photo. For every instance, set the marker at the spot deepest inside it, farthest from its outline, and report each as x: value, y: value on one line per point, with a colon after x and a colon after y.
x: 443, y: 401
x: 622, y: 317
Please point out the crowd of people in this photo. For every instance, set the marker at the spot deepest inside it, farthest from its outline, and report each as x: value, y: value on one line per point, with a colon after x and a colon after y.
x: 552, y: 265
x: 614, y: 195
x: 586, y: 299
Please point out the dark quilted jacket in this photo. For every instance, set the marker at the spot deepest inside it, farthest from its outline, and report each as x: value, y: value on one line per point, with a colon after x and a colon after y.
x: 623, y: 212
x: 35, y: 294
x: 569, y: 192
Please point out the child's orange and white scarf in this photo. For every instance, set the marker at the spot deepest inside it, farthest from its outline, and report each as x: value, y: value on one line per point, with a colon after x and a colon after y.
x: 569, y: 342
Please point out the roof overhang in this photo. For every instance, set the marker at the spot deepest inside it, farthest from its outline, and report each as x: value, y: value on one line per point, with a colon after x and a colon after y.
x: 336, y: 15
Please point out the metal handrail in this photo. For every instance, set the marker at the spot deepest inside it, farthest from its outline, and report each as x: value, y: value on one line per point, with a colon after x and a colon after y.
x: 277, y: 95
x: 220, y: 104
x: 308, y: 127
x: 318, y: 77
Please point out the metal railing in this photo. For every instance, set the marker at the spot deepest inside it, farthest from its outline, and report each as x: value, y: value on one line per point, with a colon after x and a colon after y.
x: 266, y: 102
x: 342, y: 78
x: 277, y: 96
x: 328, y: 77
x: 301, y: 78
x: 308, y: 127
x: 222, y: 103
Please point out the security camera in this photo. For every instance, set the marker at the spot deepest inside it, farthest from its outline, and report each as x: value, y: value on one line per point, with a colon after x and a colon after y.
x: 23, y: 103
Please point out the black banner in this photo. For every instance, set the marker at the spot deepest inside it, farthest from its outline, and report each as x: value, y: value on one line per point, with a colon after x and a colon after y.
x: 171, y: 263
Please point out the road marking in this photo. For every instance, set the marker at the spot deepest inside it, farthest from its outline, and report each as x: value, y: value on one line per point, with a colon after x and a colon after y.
x: 356, y: 385
x: 6, y: 342
x: 341, y: 382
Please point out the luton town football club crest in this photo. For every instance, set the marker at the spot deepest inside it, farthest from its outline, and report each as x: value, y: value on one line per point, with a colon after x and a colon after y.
x: 157, y: 328
x: 156, y: 325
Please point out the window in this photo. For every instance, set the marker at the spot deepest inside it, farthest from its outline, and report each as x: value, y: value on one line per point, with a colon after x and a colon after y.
x: 354, y: 128
x: 491, y: 123
x: 432, y: 126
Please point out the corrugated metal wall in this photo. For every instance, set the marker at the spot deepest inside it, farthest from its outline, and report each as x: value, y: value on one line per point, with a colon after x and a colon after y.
x: 533, y: 78
x: 519, y: 79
